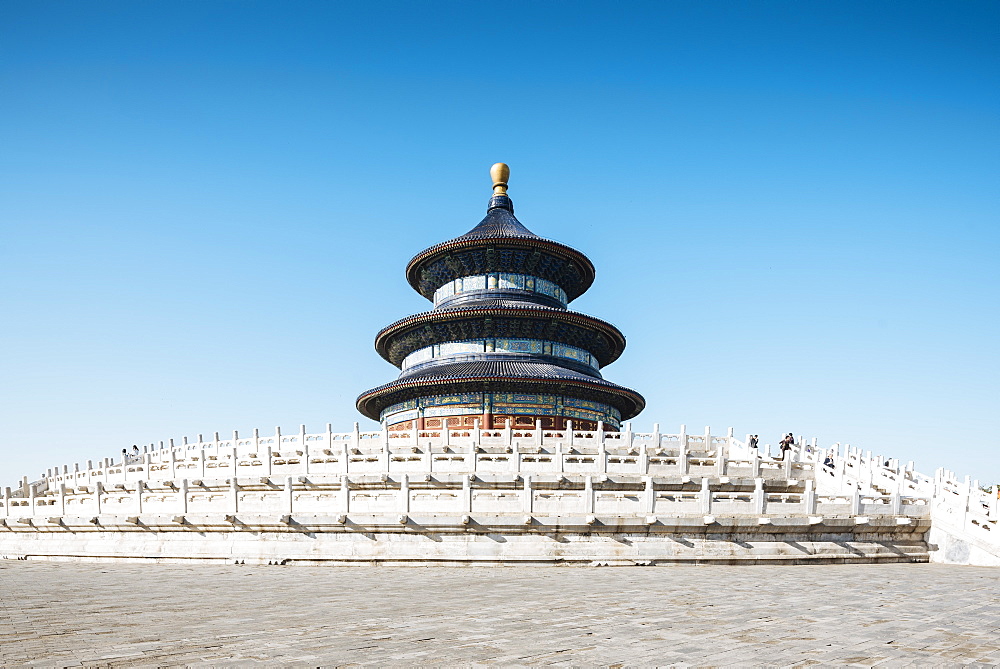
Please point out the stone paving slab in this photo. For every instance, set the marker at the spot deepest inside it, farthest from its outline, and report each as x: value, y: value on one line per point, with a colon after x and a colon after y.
x: 117, y: 614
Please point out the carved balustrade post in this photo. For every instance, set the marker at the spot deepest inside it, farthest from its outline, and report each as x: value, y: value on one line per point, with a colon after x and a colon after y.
x: 466, y: 493
x: 758, y: 496
x: 706, y: 496
x: 345, y: 494
x: 234, y: 495
x: 682, y: 456
x: 473, y: 456
x: 602, y: 450
x: 840, y: 467
x: 966, y: 497
x: 648, y: 495
x: 404, y: 494
x: 810, y: 496
x: 276, y: 443
x: 305, y: 447
x: 384, y: 455
x: 588, y: 494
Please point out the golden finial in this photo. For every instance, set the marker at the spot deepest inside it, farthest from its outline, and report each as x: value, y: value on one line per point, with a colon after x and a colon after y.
x: 500, y: 173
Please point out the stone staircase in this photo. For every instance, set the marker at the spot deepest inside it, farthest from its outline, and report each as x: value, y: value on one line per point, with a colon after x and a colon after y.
x: 963, y: 517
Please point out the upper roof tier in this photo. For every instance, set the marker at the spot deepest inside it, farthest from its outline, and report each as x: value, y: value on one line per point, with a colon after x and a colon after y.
x: 500, y: 243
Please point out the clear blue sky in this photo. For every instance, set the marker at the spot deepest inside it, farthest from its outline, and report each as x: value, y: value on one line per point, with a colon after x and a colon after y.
x: 206, y: 208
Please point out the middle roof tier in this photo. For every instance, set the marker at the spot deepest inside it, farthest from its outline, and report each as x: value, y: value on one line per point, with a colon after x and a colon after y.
x: 501, y: 319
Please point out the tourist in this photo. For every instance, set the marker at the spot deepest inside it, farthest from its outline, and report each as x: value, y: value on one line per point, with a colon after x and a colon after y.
x: 786, y: 445
x: 753, y: 443
x: 135, y: 453
x: 124, y: 456
x: 828, y: 462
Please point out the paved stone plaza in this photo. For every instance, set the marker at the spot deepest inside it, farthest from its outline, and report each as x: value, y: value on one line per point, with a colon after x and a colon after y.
x: 149, y: 614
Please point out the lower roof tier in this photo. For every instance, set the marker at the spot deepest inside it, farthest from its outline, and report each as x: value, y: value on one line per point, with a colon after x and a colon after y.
x: 499, y: 375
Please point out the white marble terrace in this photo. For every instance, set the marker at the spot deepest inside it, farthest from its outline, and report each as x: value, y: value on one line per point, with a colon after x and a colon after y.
x: 506, y: 473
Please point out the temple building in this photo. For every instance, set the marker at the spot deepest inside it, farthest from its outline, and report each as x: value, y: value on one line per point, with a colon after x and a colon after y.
x: 500, y: 348
x: 476, y: 461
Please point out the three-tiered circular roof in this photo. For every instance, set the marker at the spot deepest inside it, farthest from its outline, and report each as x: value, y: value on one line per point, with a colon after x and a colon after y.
x: 500, y: 247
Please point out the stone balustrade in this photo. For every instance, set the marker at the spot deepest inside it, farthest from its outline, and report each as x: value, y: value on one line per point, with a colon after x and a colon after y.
x: 213, y: 476
x: 964, y: 517
x: 458, y: 451
x: 493, y: 494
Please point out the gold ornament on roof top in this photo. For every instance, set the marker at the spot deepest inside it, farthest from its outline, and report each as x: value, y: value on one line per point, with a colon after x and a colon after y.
x: 500, y: 173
